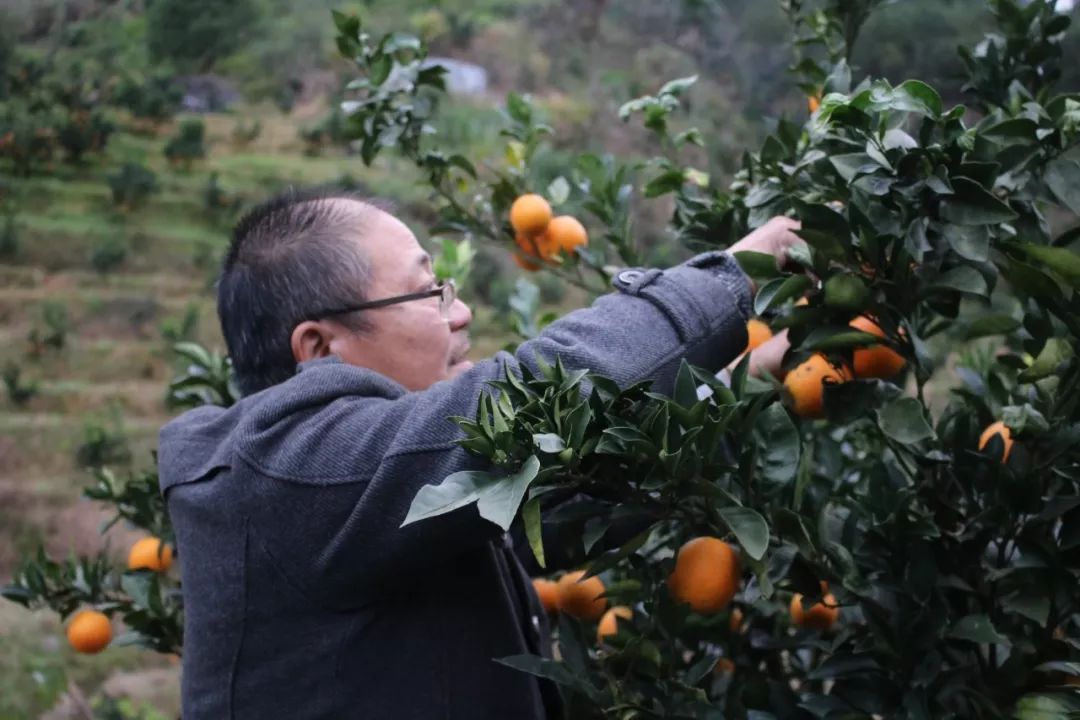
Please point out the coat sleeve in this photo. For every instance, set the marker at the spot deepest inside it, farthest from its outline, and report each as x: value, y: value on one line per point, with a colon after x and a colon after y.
x: 370, y: 455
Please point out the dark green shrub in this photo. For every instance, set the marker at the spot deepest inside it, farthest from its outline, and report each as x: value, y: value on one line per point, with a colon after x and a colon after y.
x: 52, y: 333
x: 9, y: 237
x: 131, y: 185
x: 108, y: 253
x: 83, y: 131
x: 19, y: 391
x: 153, y: 98
x: 243, y: 134
x: 188, y: 145
x: 104, y: 443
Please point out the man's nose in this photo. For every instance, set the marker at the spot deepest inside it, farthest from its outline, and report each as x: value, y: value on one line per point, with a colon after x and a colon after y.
x: 460, y: 315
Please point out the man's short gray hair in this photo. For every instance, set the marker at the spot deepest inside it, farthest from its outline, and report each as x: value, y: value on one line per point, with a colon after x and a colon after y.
x: 288, y: 257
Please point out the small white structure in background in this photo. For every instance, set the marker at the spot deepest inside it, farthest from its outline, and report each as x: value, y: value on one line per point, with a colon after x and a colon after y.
x: 462, y: 78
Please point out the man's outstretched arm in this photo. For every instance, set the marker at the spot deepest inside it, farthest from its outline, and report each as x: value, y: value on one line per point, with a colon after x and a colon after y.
x: 371, y: 455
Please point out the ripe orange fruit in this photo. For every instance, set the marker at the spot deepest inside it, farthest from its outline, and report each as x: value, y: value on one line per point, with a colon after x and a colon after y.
x: 609, y: 624
x: 581, y: 598
x: 736, y: 620
x: 813, y: 103
x: 530, y: 214
x: 548, y: 593
x: 758, y: 333
x: 724, y: 666
x: 150, y: 554
x: 805, y: 385
x: 89, y: 631
x: 565, y: 233
x: 998, y: 428
x: 820, y: 616
x: 878, y: 361
x: 537, y: 246
x: 706, y: 574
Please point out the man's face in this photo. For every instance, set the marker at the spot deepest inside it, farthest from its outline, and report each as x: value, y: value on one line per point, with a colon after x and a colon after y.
x: 410, y: 342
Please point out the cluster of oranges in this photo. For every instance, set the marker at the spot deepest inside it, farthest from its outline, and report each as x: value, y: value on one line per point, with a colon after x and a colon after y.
x: 706, y: 577
x: 90, y: 631
x: 541, y: 236
x: 804, y: 384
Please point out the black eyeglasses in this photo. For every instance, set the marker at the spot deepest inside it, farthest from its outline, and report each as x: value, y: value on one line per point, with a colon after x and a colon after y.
x: 447, y: 294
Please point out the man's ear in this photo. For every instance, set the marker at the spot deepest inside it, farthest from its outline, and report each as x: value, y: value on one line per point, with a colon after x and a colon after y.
x: 310, y: 340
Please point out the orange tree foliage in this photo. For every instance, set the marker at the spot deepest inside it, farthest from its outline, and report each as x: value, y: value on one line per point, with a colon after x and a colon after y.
x: 954, y: 568
x: 955, y: 572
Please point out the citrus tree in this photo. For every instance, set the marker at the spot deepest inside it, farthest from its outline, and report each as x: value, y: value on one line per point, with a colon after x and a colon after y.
x: 891, y: 527
x: 145, y: 593
x: 833, y: 542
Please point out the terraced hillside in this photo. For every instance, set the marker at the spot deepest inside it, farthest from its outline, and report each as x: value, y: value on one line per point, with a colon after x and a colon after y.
x: 97, y: 347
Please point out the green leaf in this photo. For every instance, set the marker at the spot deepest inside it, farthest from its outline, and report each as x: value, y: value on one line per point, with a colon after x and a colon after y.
x: 830, y: 338
x: 462, y: 162
x: 346, y: 24
x: 1025, y: 419
x: 915, y: 240
x: 971, y: 242
x: 1063, y: 178
x: 839, y: 80
x: 1055, y: 353
x: 549, y: 442
x: 964, y: 278
x: 558, y: 191
x: 842, y: 665
x: 700, y: 669
x: 801, y: 254
x: 977, y: 629
x: 852, y: 165
x: 1069, y: 668
x: 824, y: 229
x: 685, y: 393
x: 678, y: 86
x: 781, y: 447
x: 1014, y: 131
x: 990, y: 325
x: 756, y: 264
x: 917, y: 96
x: 750, y: 529
x: 456, y: 491
x: 904, y: 421
x: 776, y: 292
x: 530, y: 514
x: 519, y: 109
x: 137, y: 586
x: 664, y: 183
x: 380, y: 68
x: 397, y: 42
x: 971, y: 204
x: 850, y: 401
x: 875, y: 185
x: 760, y: 195
x: 548, y: 669
x: 1061, y: 260
x: 1033, y: 604
x: 499, y: 502
x: 1027, y: 279
x: 1047, y: 706
x: 613, y: 557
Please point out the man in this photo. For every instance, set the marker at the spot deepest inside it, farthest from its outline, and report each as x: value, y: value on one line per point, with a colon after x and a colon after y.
x: 304, y: 597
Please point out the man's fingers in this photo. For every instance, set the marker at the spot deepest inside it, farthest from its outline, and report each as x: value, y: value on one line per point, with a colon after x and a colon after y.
x: 767, y: 356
